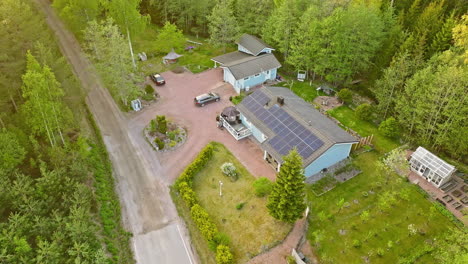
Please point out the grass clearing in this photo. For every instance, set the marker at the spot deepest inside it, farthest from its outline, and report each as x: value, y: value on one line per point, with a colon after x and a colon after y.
x: 347, y: 117
x: 306, y: 89
x: 386, y: 232
x: 251, y: 229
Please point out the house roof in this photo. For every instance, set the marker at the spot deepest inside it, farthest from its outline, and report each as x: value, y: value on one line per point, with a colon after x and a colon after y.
x: 294, y: 124
x: 244, y: 65
x: 252, y: 44
x: 433, y: 162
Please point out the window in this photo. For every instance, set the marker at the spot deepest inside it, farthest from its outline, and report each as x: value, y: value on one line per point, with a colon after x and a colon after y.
x: 268, y: 72
x: 258, y: 74
x: 246, y: 78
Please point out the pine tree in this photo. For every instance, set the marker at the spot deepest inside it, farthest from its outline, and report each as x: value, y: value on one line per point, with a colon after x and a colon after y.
x: 286, y: 201
x: 443, y: 39
x: 223, y: 27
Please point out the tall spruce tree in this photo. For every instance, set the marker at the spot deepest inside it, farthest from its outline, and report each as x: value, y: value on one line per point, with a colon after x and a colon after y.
x: 223, y: 25
x: 286, y: 201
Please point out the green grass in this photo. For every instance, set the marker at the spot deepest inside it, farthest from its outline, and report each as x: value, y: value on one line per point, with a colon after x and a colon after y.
x: 391, y: 225
x: 251, y: 228
x: 304, y: 89
x: 348, y: 118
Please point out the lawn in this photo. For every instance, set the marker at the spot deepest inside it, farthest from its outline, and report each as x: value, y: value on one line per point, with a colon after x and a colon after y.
x: 385, y: 231
x: 197, y: 60
x: 304, y: 89
x: 348, y: 118
x: 251, y: 229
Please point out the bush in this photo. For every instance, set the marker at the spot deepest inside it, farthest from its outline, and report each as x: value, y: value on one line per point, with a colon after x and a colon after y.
x: 229, y: 170
x: 240, y: 206
x: 364, y: 112
x: 219, y: 239
x: 389, y: 128
x: 172, y: 134
x: 159, y: 142
x: 203, y: 221
x: 262, y: 186
x: 187, y: 194
x: 200, y: 161
x: 172, y: 143
x: 345, y: 95
x: 224, y: 255
x: 380, y: 252
x: 149, y: 89
x: 357, y: 243
x: 153, y: 126
x: 162, y: 124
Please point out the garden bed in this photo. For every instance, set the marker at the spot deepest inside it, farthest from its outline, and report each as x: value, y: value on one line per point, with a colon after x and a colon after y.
x: 163, y: 135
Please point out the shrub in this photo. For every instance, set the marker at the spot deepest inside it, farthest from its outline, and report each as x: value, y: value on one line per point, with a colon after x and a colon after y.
x: 291, y: 260
x: 162, y: 124
x: 364, y: 112
x: 187, y: 194
x: 380, y: 252
x: 240, y: 206
x: 172, y: 134
x: 229, y: 170
x: 149, y: 89
x: 224, y: 255
x: 200, y: 161
x: 262, y: 186
x: 219, y: 239
x: 389, y: 128
x: 345, y: 95
x: 172, y: 143
x: 203, y: 221
x: 159, y: 142
x: 153, y: 126
x: 357, y: 243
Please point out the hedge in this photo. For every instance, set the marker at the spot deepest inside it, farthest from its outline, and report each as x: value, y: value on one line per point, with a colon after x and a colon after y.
x: 200, y: 217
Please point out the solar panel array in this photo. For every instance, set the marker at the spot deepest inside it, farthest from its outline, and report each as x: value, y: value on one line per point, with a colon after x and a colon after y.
x: 289, y: 132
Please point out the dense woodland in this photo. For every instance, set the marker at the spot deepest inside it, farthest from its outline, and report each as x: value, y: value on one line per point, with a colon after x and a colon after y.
x: 57, y: 202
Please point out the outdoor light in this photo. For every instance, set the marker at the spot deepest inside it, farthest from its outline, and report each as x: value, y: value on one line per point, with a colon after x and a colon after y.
x: 220, y: 188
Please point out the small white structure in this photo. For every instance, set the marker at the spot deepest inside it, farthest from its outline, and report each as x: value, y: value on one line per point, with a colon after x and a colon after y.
x: 431, y: 167
x: 136, y: 105
x: 301, y: 75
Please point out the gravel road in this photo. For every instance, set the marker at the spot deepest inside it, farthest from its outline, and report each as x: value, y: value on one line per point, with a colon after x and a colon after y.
x: 148, y: 211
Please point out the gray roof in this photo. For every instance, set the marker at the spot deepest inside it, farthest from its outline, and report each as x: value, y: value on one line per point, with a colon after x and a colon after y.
x: 172, y: 55
x: 244, y: 65
x: 319, y: 125
x: 433, y: 162
x: 253, y: 44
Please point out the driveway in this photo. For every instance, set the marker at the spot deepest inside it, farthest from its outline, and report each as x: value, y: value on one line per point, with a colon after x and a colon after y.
x: 176, y: 102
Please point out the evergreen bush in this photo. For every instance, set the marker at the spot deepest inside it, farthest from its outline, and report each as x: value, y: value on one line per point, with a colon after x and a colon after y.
x: 160, y: 143
x: 263, y: 187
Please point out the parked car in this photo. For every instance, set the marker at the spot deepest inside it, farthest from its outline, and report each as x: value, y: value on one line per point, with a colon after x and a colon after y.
x: 157, y: 79
x: 203, y: 99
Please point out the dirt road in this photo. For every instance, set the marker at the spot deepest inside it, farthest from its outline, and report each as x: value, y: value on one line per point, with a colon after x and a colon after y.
x: 147, y: 208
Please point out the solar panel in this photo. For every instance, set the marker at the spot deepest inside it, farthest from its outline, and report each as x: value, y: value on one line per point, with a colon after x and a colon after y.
x: 289, y: 132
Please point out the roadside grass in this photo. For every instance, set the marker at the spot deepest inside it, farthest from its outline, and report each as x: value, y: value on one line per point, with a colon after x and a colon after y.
x: 385, y: 230
x: 347, y: 117
x: 251, y: 229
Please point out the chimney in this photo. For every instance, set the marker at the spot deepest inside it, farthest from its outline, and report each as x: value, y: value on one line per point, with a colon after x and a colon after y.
x: 280, y: 100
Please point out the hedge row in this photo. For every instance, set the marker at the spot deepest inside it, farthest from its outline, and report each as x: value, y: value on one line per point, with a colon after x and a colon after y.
x: 198, y: 214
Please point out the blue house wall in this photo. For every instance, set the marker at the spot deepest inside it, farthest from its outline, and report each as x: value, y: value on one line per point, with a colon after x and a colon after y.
x: 336, y: 153
x: 255, y: 131
x: 253, y: 80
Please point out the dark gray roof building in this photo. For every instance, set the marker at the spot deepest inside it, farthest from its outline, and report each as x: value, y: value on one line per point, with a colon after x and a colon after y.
x: 243, y: 65
x: 252, y: 44
x: 292, y: 123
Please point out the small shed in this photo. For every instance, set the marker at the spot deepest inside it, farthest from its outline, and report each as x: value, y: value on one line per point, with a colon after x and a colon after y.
x: 171, y: 57
x: 431, y: 167
x: 326, y: 89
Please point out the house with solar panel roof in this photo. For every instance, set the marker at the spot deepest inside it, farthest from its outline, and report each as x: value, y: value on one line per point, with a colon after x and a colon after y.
x: 279, y: 121
x: 252, y: 64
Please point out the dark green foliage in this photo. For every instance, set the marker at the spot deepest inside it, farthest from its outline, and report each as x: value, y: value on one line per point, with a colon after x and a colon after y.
x: 389, y: 128
x: 287, y: 200
x: 203, y: 221
x: 219, y: 239
x: 160, y: 143
x: 263, y: 186
x: 162, y: 124
x: 364, y: 112
x: 153, y: 126
x: 240, y: 206
x: 345, y: 95
x: 11, y: 152
x: 224, y: 255
x: 149, y: 89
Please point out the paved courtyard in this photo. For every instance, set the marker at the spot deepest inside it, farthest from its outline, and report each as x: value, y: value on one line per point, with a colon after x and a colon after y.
x: 176, y: 102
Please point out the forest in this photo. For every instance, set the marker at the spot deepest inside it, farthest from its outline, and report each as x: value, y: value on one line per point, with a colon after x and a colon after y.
x: 57, y: 200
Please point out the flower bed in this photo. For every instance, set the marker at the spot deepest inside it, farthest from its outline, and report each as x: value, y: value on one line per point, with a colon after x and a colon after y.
x: 164, y: 135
